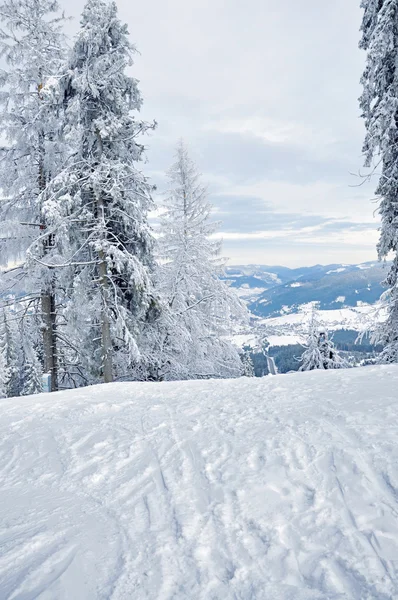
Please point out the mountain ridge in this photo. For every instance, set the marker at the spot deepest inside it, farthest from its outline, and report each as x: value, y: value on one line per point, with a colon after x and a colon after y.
x: 273, y: 290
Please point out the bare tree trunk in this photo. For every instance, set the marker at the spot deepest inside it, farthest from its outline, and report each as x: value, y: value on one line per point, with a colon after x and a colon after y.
x: 49, y: 337
x: 104, y: 283
x: 48, y: 306
x: 105, y: 323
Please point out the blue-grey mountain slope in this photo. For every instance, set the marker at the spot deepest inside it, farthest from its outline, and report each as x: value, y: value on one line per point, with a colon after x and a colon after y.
x: 334, y: 288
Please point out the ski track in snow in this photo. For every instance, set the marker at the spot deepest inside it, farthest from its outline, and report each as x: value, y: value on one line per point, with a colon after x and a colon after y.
x: 279, y: 488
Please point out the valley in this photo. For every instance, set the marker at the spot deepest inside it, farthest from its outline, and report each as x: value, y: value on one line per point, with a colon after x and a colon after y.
x: 280, y: 302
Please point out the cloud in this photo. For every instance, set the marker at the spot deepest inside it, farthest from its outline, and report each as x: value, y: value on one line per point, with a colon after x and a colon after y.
x: 247, y: 214
x: 323, y: 233
x: 246, y: 158
x: 331, y: 199
x: 266, y: 95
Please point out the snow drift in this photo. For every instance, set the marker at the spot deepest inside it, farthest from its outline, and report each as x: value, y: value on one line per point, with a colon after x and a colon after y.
x: 280, y: 488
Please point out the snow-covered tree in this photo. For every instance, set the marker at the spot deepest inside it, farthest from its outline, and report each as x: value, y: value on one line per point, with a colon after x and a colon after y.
x: 200, y: 307
x: 31, y: 45
x: 379, y: 104
x: 4, y: 373
x: 247, y: 362
x: 10, y: 351
x: 20, y: 350
x: 320, y: 352
x: 32, y: 370
x: 107, y: 199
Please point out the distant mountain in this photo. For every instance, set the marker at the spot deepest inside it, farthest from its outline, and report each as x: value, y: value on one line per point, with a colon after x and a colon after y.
x: 250, y: 281
x: 256, y: 276
x: 267, y: 277
x: 333, y: 286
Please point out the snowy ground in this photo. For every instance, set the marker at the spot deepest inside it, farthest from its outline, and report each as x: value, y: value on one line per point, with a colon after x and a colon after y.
x: 249, y: 339
x: 244, y: 339
x: 277, y: 488
x: 358, y: 318
x: 285, y: 340
x: 249, y: 294
x: 292, y: 328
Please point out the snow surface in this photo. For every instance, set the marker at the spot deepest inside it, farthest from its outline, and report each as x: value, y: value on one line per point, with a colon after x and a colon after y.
x: 285, y: 340
x: 277, y: 488
x: 249, y: 293
x: 357, y: 318
x: 255, y: 271
x: 244, y: 339
x: 341, y: 270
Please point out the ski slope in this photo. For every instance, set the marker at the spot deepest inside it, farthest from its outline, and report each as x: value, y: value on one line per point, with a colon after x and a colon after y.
x: 283, y: 488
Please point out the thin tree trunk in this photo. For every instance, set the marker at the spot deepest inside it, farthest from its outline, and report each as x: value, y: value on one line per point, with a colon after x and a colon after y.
x: 49, y: 337
x: 104, y: 283
x: 48, y: 306
x: 105, y: 323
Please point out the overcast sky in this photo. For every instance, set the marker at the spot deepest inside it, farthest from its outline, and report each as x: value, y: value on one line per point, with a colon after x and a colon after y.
x: 265, y: 93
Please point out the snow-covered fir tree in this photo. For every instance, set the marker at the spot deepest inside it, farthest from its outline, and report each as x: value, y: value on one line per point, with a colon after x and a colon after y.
x: 320, y: 352
x: 31, y: 44
x: 4, y: 375
x: 10, y: 350
x: 107, y: 199
x: 32, y: 370
x: 247, y: 362
x: 379, y: 104
x: 200, y: 308
x: 20, y: 347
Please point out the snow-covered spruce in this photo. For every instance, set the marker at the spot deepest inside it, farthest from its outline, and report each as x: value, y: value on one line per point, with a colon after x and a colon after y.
x: 379, y: 104
x: 200, y: 308
x: 3, y: 374
x: 32, y: 370
x: 247, y: 362
x: 10, y: 350
x: 32, y: 44
x: 5, y: 371
x: 320, y: 352
x: 20, y: 367
x: 106, y: 200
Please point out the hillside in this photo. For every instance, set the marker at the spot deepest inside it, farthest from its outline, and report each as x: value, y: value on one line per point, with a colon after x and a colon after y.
x: 272, y: 276
x: 284, y: 488
x: 346, y: 286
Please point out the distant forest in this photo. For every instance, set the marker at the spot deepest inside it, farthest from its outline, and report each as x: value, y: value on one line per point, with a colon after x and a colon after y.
x: 287, y: 358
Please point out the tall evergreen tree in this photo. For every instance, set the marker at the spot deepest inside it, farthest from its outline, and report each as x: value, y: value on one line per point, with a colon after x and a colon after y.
x: 107, y: 199
x: 247, y: 362
x: 379, y: 104
x: 4, y: 374
x: 10, y: 351
x: 320, y: 352
x: 31, y: 43
x: 201, y: 308
x: 32, y: 371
